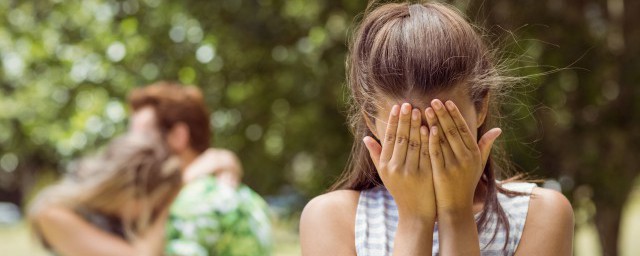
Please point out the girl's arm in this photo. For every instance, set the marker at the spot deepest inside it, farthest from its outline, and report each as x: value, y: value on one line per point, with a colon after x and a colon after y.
x: 222, y: 163
x: 405, y: 167
x: 458, y: 161
x: 69, y: 234
x: 549, y: 224
x: 152, y: 241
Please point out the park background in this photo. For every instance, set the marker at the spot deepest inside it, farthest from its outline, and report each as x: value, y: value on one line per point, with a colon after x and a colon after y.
x: 272, y: 71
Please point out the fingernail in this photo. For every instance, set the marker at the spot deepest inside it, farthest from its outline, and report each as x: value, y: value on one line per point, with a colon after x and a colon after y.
x: 434, y: 130
x: 406, y: 108
x: 366, y: 144
x: 430, y: 113
x: 450, y: 105
x: 394, y: 110
x: 424, y: 130
x: 415, y: 114
x: 437, y: 104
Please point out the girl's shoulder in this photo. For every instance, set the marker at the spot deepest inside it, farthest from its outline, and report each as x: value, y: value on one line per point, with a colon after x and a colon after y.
x: 540, y: 201
x: 548, y: 223
x: 339, y: 204
x: 549, y: 205
x: 328, y: 221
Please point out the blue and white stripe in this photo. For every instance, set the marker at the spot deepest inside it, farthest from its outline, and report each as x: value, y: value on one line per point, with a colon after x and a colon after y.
x: 377, y: 220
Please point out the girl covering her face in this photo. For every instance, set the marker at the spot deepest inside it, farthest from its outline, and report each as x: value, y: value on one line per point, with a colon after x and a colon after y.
x: 424, y: 89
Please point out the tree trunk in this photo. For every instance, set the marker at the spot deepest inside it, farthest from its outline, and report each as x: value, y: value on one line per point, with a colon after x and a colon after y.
x: 607, y: 221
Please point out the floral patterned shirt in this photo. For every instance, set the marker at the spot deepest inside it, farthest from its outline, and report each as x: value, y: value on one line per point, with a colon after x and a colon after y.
x: 209, y: 218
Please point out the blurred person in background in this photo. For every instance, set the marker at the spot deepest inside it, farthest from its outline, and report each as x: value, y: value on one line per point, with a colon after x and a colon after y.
x: 214, y: 214
x: 122, y: 194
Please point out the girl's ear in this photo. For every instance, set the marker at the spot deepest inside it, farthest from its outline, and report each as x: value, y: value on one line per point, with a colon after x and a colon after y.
x: 482, y: 112
x: 370, y: 125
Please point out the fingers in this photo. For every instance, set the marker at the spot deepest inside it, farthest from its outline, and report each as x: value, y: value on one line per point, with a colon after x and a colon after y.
x: 433, y: 121
x: 425, y: 159
x: 389, y: 140
x: 402, y: 134
x: 374, y: 149
x: 461, y: 124
x: 435, y: 149
x: 413, y: 149
x: 449, y: 128
x: 486, y: 142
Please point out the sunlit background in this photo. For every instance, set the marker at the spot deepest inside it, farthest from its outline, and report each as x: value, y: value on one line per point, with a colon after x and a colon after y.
x: 272, y: 72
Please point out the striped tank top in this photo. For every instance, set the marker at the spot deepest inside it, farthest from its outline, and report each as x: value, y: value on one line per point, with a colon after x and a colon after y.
x: 377, y: 220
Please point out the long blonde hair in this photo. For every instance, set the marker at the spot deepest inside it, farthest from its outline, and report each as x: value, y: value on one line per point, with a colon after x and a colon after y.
x: 132, y: 168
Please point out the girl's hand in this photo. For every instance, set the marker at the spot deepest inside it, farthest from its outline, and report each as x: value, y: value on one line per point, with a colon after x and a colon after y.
x: 222, y: 163
x: 404, y: 165
x: 456, y: 158
x: 152, y: 241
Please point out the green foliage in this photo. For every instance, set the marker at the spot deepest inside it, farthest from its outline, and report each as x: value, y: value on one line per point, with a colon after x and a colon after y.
x: 271, y: 71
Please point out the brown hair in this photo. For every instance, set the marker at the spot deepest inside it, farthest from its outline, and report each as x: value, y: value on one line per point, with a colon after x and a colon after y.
x: 174, y: 103
x: 403, y: 49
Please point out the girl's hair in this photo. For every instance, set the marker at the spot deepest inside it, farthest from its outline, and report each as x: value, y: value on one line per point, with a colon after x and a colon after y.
x: 133, y: 168
x: 401, y: 50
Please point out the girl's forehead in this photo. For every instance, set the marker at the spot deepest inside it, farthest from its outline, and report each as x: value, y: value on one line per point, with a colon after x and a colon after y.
x: 458, y: 95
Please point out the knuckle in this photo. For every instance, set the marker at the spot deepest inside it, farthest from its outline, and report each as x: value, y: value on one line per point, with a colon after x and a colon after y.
x: 435, y: 153
x: 442, y: 140
x: 401, y: 139
x: 411, y: 172
x: 383, y: 166
x: 463, y: 129
x: 393, y: 167
x: 414, y: 144
x: 425, y: 152
x: 390, y: 137
x: 453, y: 131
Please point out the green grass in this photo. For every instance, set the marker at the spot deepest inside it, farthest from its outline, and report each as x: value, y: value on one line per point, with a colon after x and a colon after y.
x: 286, y: 238
x: 16, y: 240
